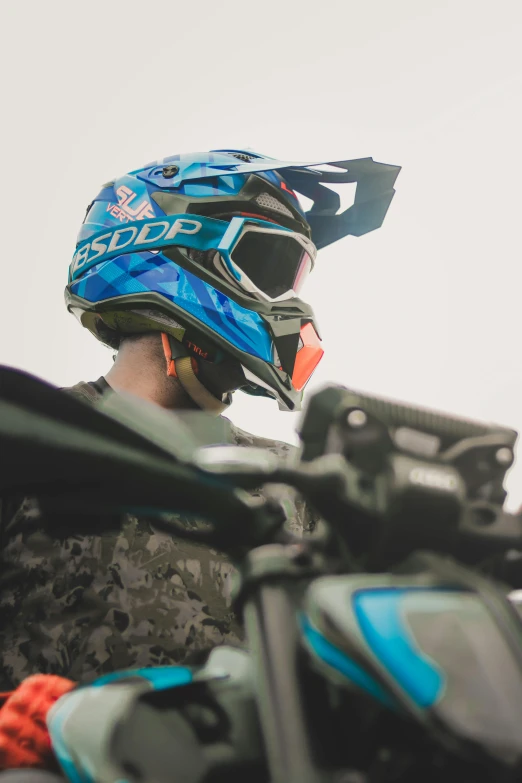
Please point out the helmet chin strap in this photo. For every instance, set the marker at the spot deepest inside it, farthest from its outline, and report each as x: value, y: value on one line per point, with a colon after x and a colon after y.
x: 185, y: 369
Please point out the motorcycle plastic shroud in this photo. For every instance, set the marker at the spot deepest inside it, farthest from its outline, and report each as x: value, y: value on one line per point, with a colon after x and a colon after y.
x: 434, y: 651
x: 145, y: 724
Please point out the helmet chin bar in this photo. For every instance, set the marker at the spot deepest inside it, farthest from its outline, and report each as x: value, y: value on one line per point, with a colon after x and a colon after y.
x: 230, y: 368
x: 308, y: 356
x: 250, y: 376
x: 304, y: 363
x: 211, y: 385
x: 298, y: 348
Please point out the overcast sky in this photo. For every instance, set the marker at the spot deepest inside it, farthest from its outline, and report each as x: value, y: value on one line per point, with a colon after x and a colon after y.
x: 427, y: 309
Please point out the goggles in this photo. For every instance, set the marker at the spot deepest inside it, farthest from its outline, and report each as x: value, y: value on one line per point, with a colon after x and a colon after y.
x: 268, y: 262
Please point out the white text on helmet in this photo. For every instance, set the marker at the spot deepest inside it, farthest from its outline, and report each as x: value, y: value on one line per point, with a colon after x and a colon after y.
x: 132, y: 238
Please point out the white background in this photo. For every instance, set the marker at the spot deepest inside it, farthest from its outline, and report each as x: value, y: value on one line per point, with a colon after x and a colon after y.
x: 427, y: 309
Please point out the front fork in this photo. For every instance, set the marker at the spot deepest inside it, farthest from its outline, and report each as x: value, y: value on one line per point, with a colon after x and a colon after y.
x: 268, y: 581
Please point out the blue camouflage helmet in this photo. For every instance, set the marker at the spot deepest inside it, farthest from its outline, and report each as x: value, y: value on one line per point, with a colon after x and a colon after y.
x: 159, y: 247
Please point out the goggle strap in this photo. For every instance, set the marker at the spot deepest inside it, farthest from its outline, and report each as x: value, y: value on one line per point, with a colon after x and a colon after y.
x: 185, y: 368
x: 195, y: 389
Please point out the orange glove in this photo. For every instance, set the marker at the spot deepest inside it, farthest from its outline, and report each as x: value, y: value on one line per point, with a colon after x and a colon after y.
x: 24, y: 739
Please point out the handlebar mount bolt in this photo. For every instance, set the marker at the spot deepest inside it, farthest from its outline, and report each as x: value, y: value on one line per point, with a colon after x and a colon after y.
x: 356, y: 419
x: 504, y: 456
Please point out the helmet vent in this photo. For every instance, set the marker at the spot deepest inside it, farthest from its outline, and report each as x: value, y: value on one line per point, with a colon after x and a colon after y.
x: 270, y: 202
x: 243, y: 156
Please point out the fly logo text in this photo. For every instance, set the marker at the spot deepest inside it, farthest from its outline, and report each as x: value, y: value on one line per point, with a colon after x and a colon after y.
x: 127, y: 209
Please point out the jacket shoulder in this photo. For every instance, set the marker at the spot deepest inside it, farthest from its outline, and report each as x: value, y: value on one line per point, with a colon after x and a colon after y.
x: 83, y: 391
x: 278, y: 447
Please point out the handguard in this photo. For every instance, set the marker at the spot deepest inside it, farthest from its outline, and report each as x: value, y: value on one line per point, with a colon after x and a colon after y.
x: 434, y: 641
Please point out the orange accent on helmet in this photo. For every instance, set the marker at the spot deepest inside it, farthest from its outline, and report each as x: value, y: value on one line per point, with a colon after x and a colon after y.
x: 284, y: 186
x: 258, y: 217
x: 171, y: 363
x: 171, y: 367
x: 308, y: 357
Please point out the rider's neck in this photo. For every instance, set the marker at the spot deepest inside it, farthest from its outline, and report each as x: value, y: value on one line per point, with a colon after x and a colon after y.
x: 140, y: 369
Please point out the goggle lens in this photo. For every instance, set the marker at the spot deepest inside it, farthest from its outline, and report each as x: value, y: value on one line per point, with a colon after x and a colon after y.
x: 274, y: 263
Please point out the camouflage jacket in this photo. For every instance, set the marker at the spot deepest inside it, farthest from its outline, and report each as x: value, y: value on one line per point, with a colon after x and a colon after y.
x: 80, y: 605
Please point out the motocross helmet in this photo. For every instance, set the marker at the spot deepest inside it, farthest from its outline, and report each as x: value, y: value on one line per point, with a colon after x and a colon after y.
x: 211, y: 249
